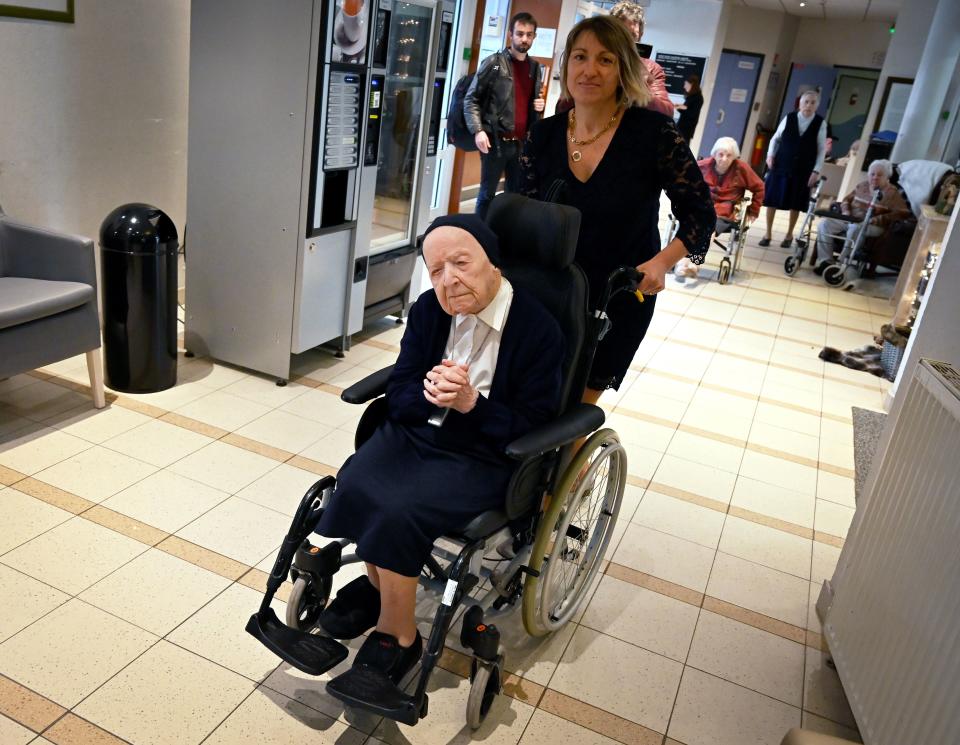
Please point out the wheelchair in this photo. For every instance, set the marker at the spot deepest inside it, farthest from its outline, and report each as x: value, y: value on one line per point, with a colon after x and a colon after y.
x: 551, y: 535
x: 733, y: 249
x: 805, y: 236
x: 852, y: 259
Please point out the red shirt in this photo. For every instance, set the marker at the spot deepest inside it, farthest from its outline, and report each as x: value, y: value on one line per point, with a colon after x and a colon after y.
x: 728, y: 188
x: 523, y: 92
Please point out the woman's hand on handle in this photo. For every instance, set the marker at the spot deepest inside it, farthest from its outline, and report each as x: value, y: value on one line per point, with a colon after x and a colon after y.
x: 655, y: 270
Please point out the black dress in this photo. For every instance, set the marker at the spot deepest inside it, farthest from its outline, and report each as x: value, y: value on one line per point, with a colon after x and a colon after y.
x: 786, y: 185
x: 411, y: 482
x: 620, y: 206
x: 687, y: 124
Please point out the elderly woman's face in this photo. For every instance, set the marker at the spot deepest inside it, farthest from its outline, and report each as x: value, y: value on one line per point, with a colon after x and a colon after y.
x: 593, y: 71
x: 877, y: 178
x: 808, y: 105
x: 462, y: 276
x: 722, y: 159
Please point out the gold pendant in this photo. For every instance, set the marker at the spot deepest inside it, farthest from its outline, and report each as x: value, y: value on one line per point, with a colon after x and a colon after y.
x: 576, y: 155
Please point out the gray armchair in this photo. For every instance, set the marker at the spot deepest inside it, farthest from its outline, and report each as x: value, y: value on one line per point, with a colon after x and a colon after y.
x: 48, y: 301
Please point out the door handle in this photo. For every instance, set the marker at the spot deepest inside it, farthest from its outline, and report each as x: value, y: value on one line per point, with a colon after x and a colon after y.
x: 721, y: 115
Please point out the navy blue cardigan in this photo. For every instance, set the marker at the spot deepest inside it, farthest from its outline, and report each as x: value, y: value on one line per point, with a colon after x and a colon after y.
x: 526, y: 384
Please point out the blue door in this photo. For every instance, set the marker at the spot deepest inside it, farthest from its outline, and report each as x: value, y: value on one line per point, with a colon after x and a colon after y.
x: 732, y: 98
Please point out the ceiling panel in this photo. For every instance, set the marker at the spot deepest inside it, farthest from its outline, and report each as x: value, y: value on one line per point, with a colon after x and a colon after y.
x: 841, y: 10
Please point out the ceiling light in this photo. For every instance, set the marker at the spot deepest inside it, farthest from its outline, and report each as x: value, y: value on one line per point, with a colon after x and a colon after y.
x: 803, y: 5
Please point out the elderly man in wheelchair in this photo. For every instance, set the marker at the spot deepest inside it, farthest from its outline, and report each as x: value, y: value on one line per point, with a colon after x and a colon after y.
x: 866, y: 212
x: 473, y: 441
x: 730, y: 180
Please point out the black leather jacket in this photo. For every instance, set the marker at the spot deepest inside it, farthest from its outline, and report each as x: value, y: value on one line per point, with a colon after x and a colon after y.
x: 489, y: 101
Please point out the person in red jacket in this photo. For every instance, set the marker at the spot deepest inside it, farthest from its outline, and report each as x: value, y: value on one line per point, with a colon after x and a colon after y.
x: 728, y: 178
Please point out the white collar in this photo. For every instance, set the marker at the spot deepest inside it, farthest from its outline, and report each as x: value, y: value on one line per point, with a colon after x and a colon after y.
x: 495, y: 314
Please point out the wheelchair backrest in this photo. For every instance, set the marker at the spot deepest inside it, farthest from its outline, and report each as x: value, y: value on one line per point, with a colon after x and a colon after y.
x: 538, y: 243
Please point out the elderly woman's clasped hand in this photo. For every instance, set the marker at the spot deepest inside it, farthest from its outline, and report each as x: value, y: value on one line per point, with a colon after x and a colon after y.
x: 447, y: 385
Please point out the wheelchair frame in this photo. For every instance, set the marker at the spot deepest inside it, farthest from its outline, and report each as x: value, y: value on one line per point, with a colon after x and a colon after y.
x: 540, y: 542
x: 733, y: 251
x: 805, y: 234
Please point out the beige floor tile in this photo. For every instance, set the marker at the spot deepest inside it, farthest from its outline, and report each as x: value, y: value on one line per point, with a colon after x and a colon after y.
x: 11, y: 423
x: 223, y: 410
x: 71, y: 651
x: 703, y: 450
x: 774, y: 501
x: 96, y: 474
x: 726, y: 404
x: 216, y: 632
x: 332, y: 449
x: 281, y: 489
x: 99, y: 425
x: 759, y: 588
x: 12, y: 733
x: 767, y: 546
x: 26, y: 600
x: 788, y: 419
x: 833, y: 518
x: 665, y: 556
x: 155, y: 591
x: 166, y: 500
x: 679, y: 390
x: 651, y: 404
x: 239, y: 529
x: 642, y: 462
x: 37, y: 447
x: 284, y: 430
x: 42, y: 400
x: 835, y: 454
x: 816, y: 723
x: 777, y: 392
x: 224, y: 467
x: 798, y: 380
x: 714, y: 419
x: 822, y: 690
x: 638, y: 432
x: 181, y: 394
x: 825, y: 559
x: 813, y: 620
x: 840, y: 433
x: 13, y: 383
x: 323, y: 407
x: 631, y: 500
x: 446, y: 724
x: 211, y: 374
x: 716, y: 310
x: 807, y: 309
x: 546, y: 729
x: 838, y: 489
x: 168, y: 696
x: 269, y: 718
x: 711, y: 711
x: 265, y: 391
x: 779, y: 472
x: 682, y: 519
x: 24, y: 518
x: 749, y: 343
x: 747, y: 656
x: 645, y: 697
x: 813, y: 332
x: 158, y: 443
x: 755, y: 320
x: 48, y: 556
x: 666, y: 627
x: 690, y: 474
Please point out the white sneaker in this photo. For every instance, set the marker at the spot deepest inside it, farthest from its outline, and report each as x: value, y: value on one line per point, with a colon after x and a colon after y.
x: 685, y: 268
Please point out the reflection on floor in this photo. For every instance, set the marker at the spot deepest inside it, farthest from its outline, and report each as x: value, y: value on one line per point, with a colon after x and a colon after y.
x: 136, y: 541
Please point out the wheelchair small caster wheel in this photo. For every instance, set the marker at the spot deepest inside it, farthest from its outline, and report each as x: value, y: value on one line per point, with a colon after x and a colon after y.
x: 833, y: 275
x: 723, y: 275
x: 188, y: 353
x: 790, y: 265
x: 485, y: 686
x: 307, y: 601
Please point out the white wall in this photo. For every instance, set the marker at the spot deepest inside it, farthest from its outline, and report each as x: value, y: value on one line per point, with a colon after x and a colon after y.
x: 683, y: 26
x: 94, y: 114
x: 847, y: 43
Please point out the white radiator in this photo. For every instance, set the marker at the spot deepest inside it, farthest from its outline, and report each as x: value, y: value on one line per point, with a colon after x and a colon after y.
x: 892, y: 610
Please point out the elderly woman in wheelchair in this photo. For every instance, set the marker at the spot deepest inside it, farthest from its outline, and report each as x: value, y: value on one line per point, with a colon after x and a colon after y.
x: 470, y: 414
x: 729, y: 180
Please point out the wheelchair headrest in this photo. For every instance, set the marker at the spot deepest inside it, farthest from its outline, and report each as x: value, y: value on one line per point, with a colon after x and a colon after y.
x: 532, y: 232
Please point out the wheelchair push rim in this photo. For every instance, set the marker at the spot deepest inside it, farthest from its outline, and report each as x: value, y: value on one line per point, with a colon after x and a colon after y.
x: 574, y: 533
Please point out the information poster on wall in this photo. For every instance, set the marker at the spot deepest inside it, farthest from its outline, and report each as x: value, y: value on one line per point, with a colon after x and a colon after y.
x: 543, y: 44
x: 678, y: 67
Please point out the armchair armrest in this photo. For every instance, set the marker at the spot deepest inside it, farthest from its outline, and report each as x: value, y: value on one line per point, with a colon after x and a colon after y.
x: 369, y: 388
x: 36, y: 253
x: 578, y: 422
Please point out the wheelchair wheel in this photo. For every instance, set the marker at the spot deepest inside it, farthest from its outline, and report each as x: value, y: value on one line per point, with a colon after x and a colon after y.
x: 723, y: 275
x: 486, y: 682
x: 307, y: 601
x: 833, y: 275
x: 574, y: 533
x: 790, y: 265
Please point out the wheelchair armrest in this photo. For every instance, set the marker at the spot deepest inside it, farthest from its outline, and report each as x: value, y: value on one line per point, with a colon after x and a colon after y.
x: 579, y: 421
x: 369, y: 388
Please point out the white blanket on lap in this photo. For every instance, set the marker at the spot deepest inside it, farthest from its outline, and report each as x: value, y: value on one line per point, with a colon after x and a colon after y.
x: 917, y: 179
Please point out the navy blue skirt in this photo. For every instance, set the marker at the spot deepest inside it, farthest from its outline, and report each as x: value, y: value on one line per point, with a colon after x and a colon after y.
x: 400, y: 492
x: 786, y: 191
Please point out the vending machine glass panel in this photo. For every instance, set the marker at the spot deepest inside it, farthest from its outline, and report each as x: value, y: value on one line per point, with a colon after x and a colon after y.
x: 405, y: 86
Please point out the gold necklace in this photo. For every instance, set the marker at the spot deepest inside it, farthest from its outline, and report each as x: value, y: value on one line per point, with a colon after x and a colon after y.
x: 576, y: 155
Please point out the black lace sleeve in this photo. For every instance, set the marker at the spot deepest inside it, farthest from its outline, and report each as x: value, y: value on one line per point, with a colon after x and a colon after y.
x: 689, y: 195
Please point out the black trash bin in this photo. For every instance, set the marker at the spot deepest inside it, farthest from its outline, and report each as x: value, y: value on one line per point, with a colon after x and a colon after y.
x: 138, y: 269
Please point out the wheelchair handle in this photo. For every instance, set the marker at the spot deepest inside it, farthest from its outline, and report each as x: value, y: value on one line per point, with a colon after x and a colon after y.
x: 624, y: 278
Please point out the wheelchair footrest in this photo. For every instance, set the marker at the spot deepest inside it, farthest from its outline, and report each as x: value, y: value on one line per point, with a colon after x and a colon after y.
x: 371, y: 690
x: 312, y: 654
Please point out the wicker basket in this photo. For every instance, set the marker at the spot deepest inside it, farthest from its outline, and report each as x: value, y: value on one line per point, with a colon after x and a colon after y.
x: 890, y: 358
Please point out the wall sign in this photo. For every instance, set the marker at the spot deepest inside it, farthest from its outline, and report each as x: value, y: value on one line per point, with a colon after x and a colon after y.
x: 678, y: 67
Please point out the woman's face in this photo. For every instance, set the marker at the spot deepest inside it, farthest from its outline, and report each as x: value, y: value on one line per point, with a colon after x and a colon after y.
x: 593, y: 72
x: 808, y: 105
x: 722, y: 160
x: 686, y: 86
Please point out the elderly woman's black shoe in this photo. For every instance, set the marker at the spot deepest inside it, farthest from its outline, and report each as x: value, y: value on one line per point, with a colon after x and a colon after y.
x: 383, y: 653
x: 353, y: 611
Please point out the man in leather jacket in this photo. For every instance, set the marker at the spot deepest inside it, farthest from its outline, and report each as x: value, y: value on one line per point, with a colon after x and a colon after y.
x: 501, y: 103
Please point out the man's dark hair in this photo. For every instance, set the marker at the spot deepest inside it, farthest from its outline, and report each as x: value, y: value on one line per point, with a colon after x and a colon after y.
x: 523, y: 17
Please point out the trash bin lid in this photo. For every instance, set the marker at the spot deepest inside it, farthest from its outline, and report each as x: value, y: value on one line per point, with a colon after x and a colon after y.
x: 138, y: 228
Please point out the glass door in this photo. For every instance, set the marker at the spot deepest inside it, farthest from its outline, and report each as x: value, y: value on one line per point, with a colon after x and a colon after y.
x: 400, y: 136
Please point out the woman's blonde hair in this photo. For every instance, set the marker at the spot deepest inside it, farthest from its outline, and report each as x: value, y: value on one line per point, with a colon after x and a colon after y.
x: 614, y: 37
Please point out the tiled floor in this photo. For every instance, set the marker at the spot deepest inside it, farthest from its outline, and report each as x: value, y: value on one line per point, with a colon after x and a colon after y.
x: 135, y: 542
